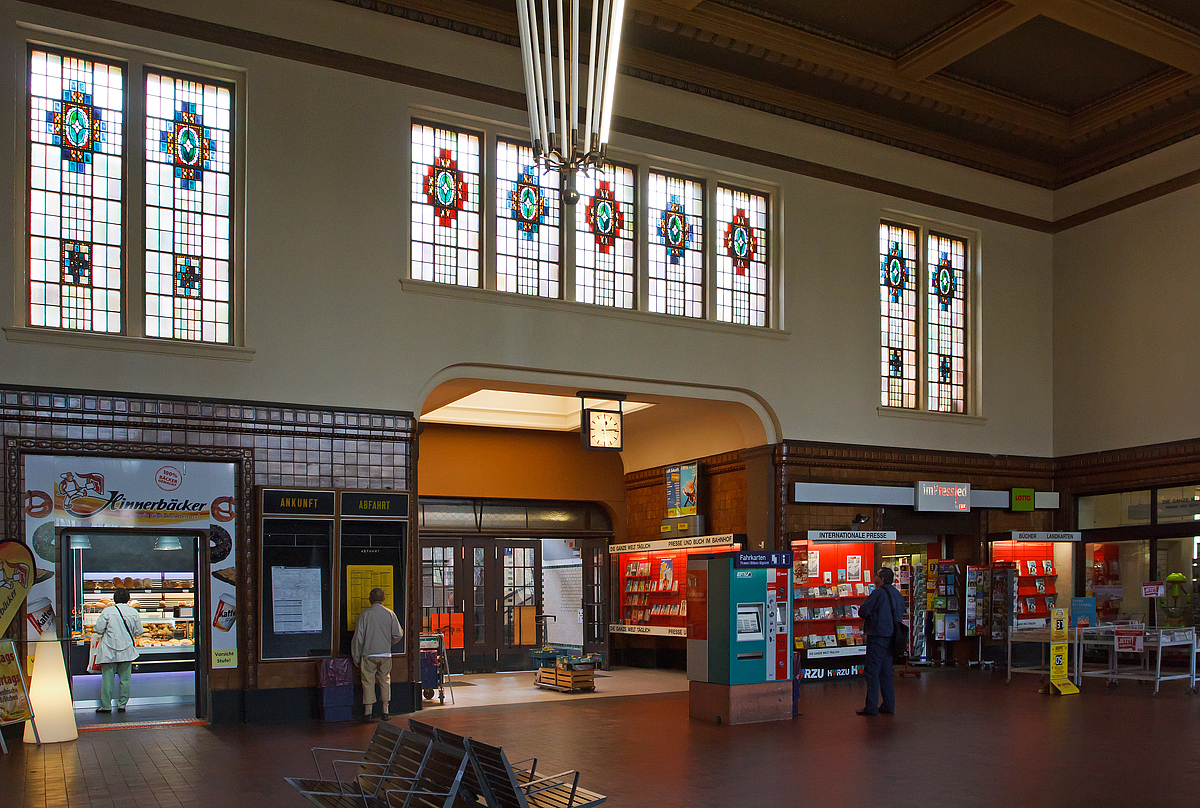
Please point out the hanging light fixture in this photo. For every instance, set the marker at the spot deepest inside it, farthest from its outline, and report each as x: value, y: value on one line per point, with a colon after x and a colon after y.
x: 80, y: 542
x: 556, y: 77
x: 167, y: 543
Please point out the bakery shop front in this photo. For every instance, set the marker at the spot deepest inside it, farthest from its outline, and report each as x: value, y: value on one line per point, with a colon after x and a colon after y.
x: 160, y: 531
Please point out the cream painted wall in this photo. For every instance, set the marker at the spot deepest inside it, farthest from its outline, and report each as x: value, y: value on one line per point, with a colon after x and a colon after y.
x: 327, y: 184
x: 1126, y: 329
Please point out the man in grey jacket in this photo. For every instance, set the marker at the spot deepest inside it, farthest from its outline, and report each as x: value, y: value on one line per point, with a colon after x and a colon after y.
x: 375, y: 633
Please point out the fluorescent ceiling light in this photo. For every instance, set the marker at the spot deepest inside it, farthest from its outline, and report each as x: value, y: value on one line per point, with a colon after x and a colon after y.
x: 504, y: 408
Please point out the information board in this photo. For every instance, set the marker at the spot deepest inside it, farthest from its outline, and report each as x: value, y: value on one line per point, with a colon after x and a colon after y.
x: 297, y: 582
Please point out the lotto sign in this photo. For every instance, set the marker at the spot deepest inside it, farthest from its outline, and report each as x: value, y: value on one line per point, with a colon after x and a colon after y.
x: 1129, y: 640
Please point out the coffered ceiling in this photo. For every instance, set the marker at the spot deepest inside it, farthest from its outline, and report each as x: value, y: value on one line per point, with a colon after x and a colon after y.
x: 1044, y: 91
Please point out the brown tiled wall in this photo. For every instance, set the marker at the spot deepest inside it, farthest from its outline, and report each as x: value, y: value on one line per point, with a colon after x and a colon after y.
x: 722, y: 497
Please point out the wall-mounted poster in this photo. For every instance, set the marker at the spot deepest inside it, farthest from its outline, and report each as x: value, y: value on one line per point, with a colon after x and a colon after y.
x: 814, y: 563
x: 853, y: 568
x: 689, y: 474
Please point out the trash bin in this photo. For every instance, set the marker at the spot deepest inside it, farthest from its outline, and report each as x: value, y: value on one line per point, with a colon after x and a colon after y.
x: 335, y: 691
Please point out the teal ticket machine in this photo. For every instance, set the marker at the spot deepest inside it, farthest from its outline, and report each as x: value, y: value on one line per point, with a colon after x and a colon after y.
x: 739, y: 617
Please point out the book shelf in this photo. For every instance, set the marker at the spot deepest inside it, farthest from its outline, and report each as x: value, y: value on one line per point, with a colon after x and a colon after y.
x: 943, y: 591
x: 1035, y: 577
x: 830, y: 582
x: 909, y: 570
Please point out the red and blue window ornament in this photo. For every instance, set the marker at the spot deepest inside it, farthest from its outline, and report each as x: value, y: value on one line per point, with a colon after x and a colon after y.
x: 674, y: 230
x: 445, y: 188
x: 895, y: 273
x: 945, y: 284
x: 77, y: 127
x: 526, y: 203
x: 740, y: 242
x: 604, y: 217
x: 188, y: 143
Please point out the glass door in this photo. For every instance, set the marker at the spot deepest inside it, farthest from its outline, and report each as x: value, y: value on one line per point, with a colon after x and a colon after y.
x: 440, y: 602
x: 594, y: 555
x: 520, y: 601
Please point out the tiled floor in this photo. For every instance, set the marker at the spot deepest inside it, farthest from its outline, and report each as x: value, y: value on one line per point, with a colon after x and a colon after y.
x: 478, y: 690
x: 961, y: 738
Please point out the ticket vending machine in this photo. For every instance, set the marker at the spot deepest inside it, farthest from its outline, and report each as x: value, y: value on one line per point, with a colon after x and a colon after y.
x: 739, y: 658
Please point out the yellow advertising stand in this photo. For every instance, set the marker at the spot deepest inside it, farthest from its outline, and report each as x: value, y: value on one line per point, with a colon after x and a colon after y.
x: 14, y: 697
x: 1059, y: 683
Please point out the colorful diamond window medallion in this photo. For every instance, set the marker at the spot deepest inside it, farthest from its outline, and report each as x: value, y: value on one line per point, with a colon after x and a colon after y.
x: 76, y: 263
x: 77, y: 127
x: 445, y: 188
x: 740, y: 243
x: 188, y: 143
x: 945, y: 284
x: 187, y: 276
x: 604, y: 217
x: 895, y: 273
x: 674, y: 230
x: 527, y: 205
x: 896, y: 363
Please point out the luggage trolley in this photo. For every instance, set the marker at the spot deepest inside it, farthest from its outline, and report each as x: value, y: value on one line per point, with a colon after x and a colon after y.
x: 435, y: 670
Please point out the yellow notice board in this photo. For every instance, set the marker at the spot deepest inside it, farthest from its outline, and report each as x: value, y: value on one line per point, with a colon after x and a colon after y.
x: 360, y: 580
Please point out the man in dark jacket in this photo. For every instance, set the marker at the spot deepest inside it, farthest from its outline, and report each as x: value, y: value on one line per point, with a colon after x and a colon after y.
x: 880, y: 611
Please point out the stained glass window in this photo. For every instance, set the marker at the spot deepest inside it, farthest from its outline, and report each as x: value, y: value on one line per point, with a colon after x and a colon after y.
x: 527, y: 223
x: 604, y: 245
x: 188, y: 209
x: 946, y: 322
x: 898, y: 315
x: 76, y: 145
x: 741, y: 257
x: 445, y: 205
x: 676, y: 255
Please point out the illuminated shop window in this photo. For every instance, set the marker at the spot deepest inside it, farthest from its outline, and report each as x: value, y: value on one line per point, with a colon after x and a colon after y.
x: 898, y: 315
x: 76, y: 147
x: 604, y: 242
x: 188, y: 208
x: 676, y: 254
x: 741, y: 257
x: 445, y: 205
x: 527, y: 224
x: 946, y: 260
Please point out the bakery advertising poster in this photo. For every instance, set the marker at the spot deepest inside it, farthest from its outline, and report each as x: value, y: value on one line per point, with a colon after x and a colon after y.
x: 105, y: 492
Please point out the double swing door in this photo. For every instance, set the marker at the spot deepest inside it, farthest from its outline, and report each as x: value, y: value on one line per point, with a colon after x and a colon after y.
x: 492, y: 588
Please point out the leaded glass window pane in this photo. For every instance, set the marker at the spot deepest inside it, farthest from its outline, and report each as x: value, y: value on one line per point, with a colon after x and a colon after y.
x: 189, y: 164
x: 946, y: 296
x: 604, y: 245
x: 527, y: 223
x: 445, y: 205
x: 676, y: 255
x: 741, y: 257
x: 76, y: 147
x: 898, y: 315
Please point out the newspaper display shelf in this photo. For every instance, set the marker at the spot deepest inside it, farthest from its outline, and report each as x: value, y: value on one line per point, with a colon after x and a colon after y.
x: 1154, y: 640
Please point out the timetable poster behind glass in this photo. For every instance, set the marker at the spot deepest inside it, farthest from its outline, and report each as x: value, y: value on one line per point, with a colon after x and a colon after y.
x: 297, y: 581
x: 374, y: 530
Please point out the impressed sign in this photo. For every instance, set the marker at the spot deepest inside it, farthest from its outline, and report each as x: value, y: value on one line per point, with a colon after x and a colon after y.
x: 946, y: 497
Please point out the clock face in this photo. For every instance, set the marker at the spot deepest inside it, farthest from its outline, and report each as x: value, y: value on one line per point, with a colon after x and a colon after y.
x: 604, y: 430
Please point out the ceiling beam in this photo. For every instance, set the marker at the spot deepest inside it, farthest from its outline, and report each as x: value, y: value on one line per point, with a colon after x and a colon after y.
x: 1126, y: 26
x: 739, y: 27
x: 686, y: 5
x: 974, y: 32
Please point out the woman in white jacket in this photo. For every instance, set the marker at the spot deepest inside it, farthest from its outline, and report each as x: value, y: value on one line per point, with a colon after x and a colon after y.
x: 117, y: 625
